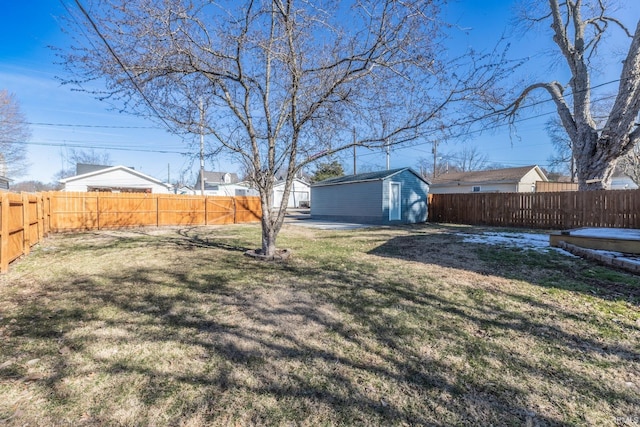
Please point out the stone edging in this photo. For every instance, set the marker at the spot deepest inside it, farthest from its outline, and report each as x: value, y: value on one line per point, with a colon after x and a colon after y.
x: 605, y: 259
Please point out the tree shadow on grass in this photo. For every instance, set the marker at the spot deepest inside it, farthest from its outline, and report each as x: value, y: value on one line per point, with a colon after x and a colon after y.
x: 285, y: 343
x: 546, y: 269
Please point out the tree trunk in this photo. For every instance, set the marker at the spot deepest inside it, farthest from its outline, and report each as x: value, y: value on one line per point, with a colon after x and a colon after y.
x: 268, y: 222
x: 594, y: 174
x: 269, y: 235
x: 596, y: 148
x: 271, y: 221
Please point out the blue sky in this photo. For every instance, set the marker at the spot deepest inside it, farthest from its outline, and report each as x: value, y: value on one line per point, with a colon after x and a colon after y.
x: 28, y: 69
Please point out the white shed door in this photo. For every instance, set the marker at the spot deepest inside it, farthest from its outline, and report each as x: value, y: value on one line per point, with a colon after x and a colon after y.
x: 394, y: 201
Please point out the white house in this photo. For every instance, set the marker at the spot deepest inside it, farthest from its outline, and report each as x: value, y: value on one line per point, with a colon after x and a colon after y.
x: 620, y: 181
x: 509, y: 180
x: 114, y: 179
x: 299, y: 196
x: 221, y: 184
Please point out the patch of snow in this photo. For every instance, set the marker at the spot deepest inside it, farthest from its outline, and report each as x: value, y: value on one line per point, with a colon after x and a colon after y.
x: 613, y: 233
x: 536, y: 242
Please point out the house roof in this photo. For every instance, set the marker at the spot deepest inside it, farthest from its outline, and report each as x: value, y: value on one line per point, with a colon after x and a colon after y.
x: 83, y: 168
x: 111, y: 169
x: 282, y: 182
x: 218, y: 177
x: 486, y: 176
x: 367, y: 176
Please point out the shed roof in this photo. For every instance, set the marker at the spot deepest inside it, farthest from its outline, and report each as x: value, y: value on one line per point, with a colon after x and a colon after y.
x: 365, y: 177
x: 493, y: 175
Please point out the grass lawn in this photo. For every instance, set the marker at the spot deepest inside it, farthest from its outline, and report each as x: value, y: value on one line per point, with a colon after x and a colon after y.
x: 386, y: 326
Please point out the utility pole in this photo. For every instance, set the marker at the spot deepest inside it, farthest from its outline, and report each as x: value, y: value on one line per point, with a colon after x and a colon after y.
x: 201, y: 148
x: 354, y: 151
x: 388, y: 154
x: 435, y: 156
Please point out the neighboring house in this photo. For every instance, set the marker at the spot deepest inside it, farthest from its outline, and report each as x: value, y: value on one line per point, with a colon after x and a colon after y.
x: 509, y: 180
x: 397, y: 196
x: 4, y: 183
x: 620, y: 181
x: 114, y: 179
x: 221, y: 184
x: 299, y: 196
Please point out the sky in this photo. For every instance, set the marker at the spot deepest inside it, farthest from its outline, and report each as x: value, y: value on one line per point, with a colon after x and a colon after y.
x: 61, y: 119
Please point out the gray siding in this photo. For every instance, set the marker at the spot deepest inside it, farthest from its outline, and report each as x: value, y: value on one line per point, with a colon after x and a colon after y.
x: 357, y: 202
x: 368, y: 202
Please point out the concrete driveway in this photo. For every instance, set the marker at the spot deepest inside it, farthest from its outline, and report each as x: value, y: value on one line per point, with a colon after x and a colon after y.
x: 303, y: 219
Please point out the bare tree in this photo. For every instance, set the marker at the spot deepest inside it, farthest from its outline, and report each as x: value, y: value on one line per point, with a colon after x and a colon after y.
x: 89, y: 156
x: 578, y: 28
x: 466, y: 158
x: 14, y: 133
x: 469, y: 158
x: 280, y: 83
x: 562, y: 159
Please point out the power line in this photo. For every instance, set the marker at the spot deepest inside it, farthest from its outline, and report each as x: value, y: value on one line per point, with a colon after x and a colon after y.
x: 121, y: 64
x: 500, y: 125
x: 90, y: 126
x: 96, y: 147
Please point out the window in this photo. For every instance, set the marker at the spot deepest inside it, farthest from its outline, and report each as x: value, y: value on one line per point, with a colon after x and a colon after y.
x: 476, y: 189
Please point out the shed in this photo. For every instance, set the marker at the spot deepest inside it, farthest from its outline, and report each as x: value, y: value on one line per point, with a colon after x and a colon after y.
x: 397, y: 196
x: 298, y: 195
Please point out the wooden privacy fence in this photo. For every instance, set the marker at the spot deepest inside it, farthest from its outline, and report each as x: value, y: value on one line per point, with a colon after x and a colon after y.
x: 22, y: 225
x: 97, y: 211
x: 26, y: 218
x: 555, y: 211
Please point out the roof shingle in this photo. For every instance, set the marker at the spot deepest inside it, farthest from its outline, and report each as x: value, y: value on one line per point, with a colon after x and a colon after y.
x: 494, y: 175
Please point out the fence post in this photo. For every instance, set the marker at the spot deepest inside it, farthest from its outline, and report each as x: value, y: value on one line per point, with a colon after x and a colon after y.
x: 4, y: 233
x: 26, y: 228
x: 97, y: 207
x: 206, y: 216
x: 40, y: 213
x: 235, y: 210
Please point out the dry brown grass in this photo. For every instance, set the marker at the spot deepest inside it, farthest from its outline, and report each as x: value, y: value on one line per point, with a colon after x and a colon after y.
x: 389, y: 326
